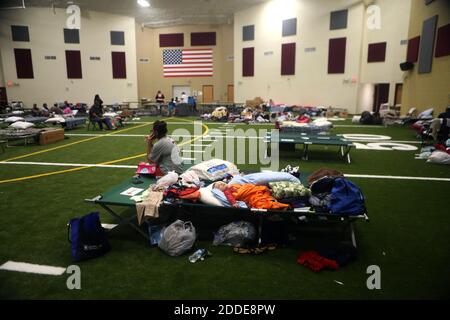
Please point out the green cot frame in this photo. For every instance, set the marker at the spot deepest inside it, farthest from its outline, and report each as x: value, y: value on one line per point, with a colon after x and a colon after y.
x: 306, y: 140
x: 113, y: 198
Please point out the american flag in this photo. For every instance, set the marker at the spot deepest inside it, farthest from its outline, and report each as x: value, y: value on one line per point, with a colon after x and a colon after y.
x: 187, y: 62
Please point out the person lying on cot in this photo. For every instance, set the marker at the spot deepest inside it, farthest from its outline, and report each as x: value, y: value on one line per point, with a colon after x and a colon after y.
x: 165, y: 154
x: 254, y: 196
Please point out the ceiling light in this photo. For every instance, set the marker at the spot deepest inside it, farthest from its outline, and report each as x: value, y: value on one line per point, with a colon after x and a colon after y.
x: 143, y: 3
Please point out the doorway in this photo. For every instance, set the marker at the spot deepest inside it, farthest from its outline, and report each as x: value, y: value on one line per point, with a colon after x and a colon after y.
x: 208, y: 93
x: 3, y: 97
x: 381, y: 95
x: 230, y: 93
x: 178, y: 90
x: 398, y: 93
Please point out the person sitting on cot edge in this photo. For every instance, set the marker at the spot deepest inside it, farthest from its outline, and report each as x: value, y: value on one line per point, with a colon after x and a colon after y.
x: 164, y: 153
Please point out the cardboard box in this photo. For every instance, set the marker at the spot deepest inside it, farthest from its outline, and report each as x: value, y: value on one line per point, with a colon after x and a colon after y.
x: 343, y: 114
x: 50, y: 136
x: 254, y: 103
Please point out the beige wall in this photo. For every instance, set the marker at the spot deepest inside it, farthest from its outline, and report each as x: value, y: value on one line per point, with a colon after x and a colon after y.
x: 150, y: 75
x: 393, y: 28
x: 312, y: 84
x: 50, y: 81
x: 2, y: 78
x: 432, y: 89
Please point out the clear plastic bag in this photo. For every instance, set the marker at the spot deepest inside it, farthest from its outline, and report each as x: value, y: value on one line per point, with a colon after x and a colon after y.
x: 235, y: 234
x: 177, y: 238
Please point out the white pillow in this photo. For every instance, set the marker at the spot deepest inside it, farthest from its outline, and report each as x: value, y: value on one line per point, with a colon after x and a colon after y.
x: 356, y: 119
x: 21, y: 125
x: 13, y: 119
x: 214, y: 169
x: 207, y: 197
x: 110, y: 114
x: 55, y: 120
x: 322, y: 122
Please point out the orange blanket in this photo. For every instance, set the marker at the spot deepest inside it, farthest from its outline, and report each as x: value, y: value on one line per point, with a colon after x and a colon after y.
x: 256, y: 196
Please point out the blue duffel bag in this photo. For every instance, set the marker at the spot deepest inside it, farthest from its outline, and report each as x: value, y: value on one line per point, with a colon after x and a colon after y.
x: 346, y: 198
x: 88, y: 237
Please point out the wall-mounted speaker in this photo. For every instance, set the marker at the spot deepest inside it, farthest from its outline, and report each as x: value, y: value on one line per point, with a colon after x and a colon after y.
x: 406, y: 66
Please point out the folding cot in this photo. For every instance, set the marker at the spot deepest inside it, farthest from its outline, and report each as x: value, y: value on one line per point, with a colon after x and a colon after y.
x: 215, y: 216
x: 35, y: 120
x: 288, y: 140
x: 71, y: 123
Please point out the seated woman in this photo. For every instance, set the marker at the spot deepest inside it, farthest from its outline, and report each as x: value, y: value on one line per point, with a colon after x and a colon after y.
x: 96, y: 116
x: 164, y: 153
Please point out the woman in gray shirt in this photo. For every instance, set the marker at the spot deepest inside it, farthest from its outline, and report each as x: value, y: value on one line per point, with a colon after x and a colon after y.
x: 164, y: 153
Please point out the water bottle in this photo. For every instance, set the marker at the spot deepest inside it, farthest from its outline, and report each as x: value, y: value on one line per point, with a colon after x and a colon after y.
x: 197, y: 255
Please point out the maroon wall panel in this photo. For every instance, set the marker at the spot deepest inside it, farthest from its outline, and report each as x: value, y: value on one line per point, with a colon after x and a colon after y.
x: 248, y: 62
x: 443, y: 41
x: 73, y: 63
x: 119, y: 65
x: 336, y: 55
x: 412, y: 54
x: 171, y: 40
x: 24, y: 63
x: 376, y: 52
x: 288, y: 59
x: 203, y: 39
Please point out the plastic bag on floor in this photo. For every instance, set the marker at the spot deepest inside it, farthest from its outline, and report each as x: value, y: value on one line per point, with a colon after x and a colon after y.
x: 177, y: 238
x: 235, y: 234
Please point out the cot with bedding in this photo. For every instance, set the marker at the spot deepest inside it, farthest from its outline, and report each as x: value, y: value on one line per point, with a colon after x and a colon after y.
x: 288, y: 140
x: 209, y: 216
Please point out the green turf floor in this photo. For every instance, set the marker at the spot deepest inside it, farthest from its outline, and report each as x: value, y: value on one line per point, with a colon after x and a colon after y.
x: 407, y: 236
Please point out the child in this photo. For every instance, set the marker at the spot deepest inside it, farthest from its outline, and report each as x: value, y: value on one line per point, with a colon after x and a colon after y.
x: 255, y: 196
x: 227, y: 191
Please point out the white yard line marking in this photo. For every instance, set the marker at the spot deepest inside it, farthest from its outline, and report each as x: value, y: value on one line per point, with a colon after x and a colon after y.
x: 355, y: 126
x: 109, y: 226
x: 220, y: 134
x: 189, y: 159
x: 369, y: 176
x: 32, y: 268
x: 56, y: 164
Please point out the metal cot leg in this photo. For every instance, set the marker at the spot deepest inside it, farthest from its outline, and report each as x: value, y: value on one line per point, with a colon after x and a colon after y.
x: 124, y: 221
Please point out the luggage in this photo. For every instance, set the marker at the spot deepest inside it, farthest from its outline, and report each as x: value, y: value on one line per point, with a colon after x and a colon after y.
x: 346, y: 198
x: 88, y: 238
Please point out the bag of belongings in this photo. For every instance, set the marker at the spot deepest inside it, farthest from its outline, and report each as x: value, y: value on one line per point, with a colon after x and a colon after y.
x: 236, y: 234
x: 337, y: 195
x: 88, y: 238
x: 177, y: 238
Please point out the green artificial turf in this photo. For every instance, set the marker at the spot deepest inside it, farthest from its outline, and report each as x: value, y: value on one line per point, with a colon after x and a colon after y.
x: 407, y: 236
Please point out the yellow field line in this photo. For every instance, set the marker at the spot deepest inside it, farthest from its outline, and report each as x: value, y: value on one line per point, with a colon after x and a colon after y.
x: 72, y: 143
x: 103, y: 163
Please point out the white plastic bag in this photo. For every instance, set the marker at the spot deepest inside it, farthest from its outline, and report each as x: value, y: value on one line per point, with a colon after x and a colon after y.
x: 439, y: 157
x: 167, y: 180
x: 177, y: 238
